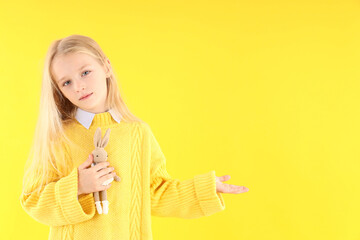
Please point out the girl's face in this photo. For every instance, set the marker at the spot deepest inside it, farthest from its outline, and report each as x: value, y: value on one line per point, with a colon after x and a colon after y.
x: 77, y: 75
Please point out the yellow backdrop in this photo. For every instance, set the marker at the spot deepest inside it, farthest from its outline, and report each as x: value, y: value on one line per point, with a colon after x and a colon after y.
x: 264, y: 91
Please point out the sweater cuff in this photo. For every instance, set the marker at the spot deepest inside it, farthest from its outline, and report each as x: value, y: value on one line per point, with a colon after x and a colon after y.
x: 210, y: 200
x: 74, y: 208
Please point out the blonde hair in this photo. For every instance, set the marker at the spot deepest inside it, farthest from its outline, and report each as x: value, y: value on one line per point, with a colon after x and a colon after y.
x: 56, y: 111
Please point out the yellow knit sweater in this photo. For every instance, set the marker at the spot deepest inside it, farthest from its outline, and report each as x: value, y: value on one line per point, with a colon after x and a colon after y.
x: 145, y: 189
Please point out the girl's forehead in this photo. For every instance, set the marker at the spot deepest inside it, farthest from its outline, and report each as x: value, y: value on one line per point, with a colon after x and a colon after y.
x: 73, y: 58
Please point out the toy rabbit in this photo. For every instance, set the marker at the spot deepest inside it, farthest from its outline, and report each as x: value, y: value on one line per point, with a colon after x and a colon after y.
x: 100, y: 155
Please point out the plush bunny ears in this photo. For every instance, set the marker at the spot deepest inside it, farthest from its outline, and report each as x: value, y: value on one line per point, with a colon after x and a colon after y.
x: 101, y: 143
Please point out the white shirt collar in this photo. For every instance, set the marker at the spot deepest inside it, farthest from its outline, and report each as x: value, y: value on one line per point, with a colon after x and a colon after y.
x: 86, y: 118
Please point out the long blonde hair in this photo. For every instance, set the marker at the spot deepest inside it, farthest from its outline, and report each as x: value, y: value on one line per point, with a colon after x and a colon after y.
x: 56, y: 111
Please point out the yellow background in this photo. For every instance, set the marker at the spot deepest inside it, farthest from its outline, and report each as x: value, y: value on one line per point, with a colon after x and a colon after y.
x: 265, y: 91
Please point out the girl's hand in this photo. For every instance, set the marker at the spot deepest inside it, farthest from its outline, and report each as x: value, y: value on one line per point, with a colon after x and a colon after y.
x: 228, y: 188
x: 91, y: 178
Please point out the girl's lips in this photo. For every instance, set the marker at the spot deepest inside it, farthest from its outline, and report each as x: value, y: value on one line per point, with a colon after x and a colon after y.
x: 87, y: 96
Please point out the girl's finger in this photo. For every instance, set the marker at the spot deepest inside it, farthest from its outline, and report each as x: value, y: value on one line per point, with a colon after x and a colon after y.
x: 224, y: 178
x: 101, y: 165
x: 87, y: 163
x: 242, y: 189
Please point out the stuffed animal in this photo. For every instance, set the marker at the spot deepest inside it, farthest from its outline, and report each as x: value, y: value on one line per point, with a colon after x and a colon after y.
x: 100, y: 155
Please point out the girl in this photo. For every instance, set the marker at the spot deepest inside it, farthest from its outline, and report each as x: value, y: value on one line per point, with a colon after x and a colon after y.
x: 79, y: 94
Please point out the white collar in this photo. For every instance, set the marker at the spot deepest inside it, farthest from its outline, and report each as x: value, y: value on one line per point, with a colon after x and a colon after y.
x: 86, y: 118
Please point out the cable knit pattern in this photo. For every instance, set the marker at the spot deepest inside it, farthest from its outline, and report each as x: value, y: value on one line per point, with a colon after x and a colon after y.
x: 146, y: 189
x: 136, y: 184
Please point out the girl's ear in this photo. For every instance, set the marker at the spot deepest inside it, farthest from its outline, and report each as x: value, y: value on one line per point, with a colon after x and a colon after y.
x: 106, y: 138
x: 97, y: 137
x: 108, y: 67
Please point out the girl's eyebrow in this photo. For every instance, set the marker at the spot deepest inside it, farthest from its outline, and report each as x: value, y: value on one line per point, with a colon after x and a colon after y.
x: 78, y: 70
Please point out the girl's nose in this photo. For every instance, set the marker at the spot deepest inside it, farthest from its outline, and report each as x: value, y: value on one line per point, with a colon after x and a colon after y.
x: 80, y: 85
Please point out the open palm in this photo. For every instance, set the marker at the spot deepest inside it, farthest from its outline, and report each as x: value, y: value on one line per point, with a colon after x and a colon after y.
x: 228, y: 188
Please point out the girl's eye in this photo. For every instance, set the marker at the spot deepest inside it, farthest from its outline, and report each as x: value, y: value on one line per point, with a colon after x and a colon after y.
x: 65, y: 82
x: 86, y: 71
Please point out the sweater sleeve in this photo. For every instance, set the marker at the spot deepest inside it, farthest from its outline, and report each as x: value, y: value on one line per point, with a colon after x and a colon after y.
x: 58, y: 203
x: 191, y: 198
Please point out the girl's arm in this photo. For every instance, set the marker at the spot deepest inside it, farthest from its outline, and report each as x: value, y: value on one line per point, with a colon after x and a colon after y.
x: 58, y: 203
x: 193, y: 198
